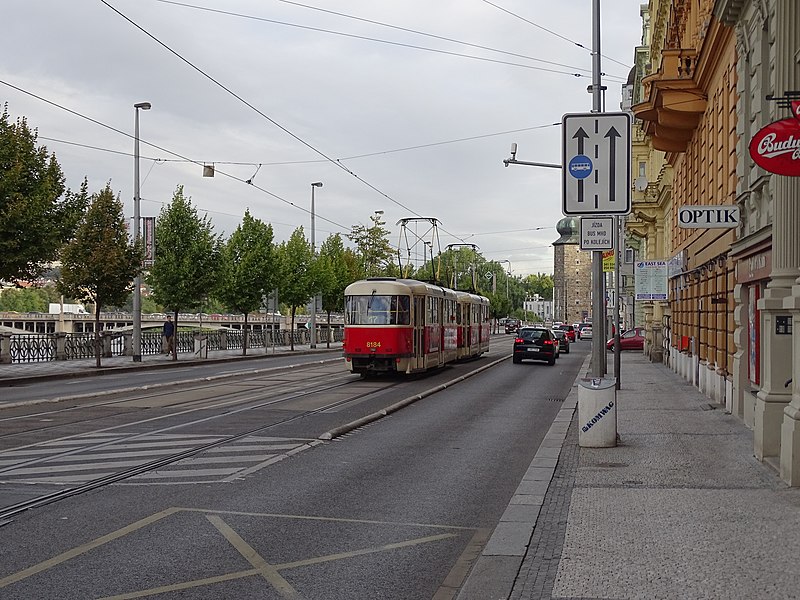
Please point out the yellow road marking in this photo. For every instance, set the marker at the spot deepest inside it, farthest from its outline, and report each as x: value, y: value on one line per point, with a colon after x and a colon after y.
x: 84, y: 548
x: 460, y: 570
x: 331, y: 519
x: 266, y: 570
x: 186, y: 585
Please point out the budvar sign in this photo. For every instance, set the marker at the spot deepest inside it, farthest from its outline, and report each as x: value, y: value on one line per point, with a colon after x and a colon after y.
x: 708, y: 217
x: 776, y: 147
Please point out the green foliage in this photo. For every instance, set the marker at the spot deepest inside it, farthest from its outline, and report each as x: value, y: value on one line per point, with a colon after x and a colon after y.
x: 297, y: 276
x: 541, y: 284
x: 99, y: 264
x: 248, y: 268
x: 28, y: 299
x: 335, y: 274
x: 376, y: 253
x: 35, y: 221
x: 186, y: 257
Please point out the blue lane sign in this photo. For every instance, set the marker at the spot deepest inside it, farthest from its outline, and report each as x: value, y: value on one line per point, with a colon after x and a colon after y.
x: 580, y: 167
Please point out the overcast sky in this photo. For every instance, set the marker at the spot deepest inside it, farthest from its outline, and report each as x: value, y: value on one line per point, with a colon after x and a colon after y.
x: 349, y: 93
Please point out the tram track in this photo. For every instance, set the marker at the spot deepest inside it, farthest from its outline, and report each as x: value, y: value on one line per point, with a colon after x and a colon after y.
x: 122, y: 402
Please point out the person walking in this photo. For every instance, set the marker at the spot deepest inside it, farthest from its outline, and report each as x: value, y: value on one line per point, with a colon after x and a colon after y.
x: 169, y: 336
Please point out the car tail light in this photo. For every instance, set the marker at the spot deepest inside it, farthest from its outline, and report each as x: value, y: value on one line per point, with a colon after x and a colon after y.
x: 548, y: 342
x: 519, y: 341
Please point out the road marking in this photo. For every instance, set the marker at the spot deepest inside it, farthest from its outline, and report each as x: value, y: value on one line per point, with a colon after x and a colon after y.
x: 458, y: 574
x: 267, y: 571
x: 84, y: 548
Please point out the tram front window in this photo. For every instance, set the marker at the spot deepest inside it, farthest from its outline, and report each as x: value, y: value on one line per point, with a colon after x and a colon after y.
x: 377, y: 310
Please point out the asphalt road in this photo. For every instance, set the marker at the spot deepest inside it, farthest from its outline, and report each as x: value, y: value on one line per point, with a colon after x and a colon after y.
x: 396, y: 509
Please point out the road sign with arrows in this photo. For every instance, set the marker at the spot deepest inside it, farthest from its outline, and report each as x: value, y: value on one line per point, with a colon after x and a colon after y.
x: 596, y: 156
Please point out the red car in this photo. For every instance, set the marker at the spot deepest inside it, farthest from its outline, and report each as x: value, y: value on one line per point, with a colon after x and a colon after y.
x: 633, y: 339
x: 568, y: 329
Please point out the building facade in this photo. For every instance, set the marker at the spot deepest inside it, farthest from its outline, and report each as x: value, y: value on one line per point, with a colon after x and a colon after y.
x: 714, y: 71
x: 572, y: 275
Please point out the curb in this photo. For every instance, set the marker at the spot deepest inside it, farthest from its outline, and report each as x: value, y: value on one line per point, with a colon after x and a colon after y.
x: 494, y: 573
x: 346, y: 428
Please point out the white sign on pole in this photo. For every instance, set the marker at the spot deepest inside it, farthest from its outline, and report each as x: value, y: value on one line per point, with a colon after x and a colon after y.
x: 597, y: 233
x: 651, y: 278
x: 596, y: 163
x: 708, y: 217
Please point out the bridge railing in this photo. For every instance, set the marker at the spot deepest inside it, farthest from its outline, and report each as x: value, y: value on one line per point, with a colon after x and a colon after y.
x: 44, y: 347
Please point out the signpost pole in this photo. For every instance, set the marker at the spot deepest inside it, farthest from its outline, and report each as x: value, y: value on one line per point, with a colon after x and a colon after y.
x: 617, y: 260
x: 598, y: 292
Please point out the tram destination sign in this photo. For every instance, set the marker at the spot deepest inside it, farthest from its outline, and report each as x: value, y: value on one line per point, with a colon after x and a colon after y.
x: 708, y: 217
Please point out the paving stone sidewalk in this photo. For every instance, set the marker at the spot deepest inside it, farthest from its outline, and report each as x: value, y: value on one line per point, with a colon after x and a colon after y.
x: 679, y: 509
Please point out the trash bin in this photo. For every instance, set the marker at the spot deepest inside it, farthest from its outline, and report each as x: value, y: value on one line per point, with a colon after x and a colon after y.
x: 597, y: 412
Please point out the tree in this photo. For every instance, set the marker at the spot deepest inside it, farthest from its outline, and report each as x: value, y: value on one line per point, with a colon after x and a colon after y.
x: 541, y: 284
x: 186, y: 259
x: 35, y: 221
x: 99, y: 264
x: 336, y: 275
x: 297, y: 280
x: 372, y: 243
x: 248, y: 269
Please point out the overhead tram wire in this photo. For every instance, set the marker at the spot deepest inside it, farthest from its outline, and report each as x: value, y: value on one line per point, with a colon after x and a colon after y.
x: 185, y: 158
x: 558, y: 35
x: 338, y: 163
x: 390, y: 42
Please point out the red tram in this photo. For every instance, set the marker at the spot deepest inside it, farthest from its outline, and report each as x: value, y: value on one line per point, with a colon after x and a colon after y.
x: 407, y: 326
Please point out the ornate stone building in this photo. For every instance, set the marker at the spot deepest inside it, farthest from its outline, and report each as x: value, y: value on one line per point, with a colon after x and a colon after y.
x: 572, y: 275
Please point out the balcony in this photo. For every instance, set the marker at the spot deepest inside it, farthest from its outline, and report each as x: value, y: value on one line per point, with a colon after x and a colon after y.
x: 672, y: 101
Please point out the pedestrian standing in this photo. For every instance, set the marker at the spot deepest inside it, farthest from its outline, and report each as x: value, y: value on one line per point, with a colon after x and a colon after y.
x: 169, y: 336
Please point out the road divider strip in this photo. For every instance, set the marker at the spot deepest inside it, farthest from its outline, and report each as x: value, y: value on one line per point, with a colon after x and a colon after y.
x: 347, y: 427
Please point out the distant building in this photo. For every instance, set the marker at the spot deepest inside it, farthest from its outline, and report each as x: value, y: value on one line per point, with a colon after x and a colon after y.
x: 572, y: 275
x: 540, y: 307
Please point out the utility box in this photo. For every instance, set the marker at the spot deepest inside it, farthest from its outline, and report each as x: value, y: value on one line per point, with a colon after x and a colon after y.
x: 200, y: 346
x: 597, y: 412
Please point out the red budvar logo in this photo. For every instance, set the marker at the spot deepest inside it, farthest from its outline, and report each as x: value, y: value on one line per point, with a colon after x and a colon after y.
x: 776, y: 147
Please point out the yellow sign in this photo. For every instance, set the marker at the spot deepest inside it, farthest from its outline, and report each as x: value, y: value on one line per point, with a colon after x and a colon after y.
x: 608, y: 261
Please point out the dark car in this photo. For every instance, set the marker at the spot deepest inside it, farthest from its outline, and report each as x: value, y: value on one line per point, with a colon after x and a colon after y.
x: 633, y: 339
x: 568, y: 329
x: 563, y: 340
x: 512, y: 325
x: 535, y: 343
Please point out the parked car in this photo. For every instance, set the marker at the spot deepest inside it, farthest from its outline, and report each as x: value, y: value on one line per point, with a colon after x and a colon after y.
x: 563, y: 340
x: 568, y: 329
x: 586, y: 331
x: 633, y: 339
x: 535, y: 343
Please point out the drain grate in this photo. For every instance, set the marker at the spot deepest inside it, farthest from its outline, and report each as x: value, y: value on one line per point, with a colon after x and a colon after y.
x: 555, y: 399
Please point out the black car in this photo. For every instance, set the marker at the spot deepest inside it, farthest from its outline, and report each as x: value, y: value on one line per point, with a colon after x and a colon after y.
x: 563, y: 340
x: 535, y: 343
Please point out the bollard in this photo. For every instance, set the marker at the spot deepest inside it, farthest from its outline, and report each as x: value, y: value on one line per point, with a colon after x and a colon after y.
x: 200, y: 346
x: 597, y: 412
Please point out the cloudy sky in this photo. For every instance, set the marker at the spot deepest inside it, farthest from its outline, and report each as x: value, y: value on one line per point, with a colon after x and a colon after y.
x: 408, y: 107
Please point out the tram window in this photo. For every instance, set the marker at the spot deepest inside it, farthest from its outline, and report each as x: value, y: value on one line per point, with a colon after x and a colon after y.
x: 377, y: 310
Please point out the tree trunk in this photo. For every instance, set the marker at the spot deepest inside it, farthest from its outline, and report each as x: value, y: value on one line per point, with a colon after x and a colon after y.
x: 291, y: 332
x: 97, y: 349
x: 175, y: 337
x: 244, y: 339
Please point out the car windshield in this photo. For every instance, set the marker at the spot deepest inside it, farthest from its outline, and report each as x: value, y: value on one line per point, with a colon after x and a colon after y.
x: 377, y: 310
x: 560, y: 334
x: 530, y: 335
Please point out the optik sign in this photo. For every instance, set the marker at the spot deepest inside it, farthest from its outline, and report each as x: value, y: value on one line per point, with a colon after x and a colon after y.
x: 776, y: 147
x: 708, y: 217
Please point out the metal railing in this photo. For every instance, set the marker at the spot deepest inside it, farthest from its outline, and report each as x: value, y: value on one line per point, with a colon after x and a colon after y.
x: 44, y: 347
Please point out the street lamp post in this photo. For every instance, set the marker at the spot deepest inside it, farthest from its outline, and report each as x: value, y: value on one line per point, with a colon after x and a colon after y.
x: 316, y: 184
x: 137, y: 281
x: 508, y: 273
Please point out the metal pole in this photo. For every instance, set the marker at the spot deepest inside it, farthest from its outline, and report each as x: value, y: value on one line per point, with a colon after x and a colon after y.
x: 617, y: 261
x: 137, y: 281
x: 316, y: 184
x: 598, y: 291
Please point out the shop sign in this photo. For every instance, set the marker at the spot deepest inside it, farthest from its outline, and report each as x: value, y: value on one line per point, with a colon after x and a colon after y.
x: 776, y: 147
x: 754, y: 267
x: 709, y: 217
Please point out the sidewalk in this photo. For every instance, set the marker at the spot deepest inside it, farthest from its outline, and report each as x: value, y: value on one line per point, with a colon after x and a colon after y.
x: 679, y: 509
x: 21, y: 372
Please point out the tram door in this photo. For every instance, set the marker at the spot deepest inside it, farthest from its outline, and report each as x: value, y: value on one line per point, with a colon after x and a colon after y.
x: 419, y: 332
